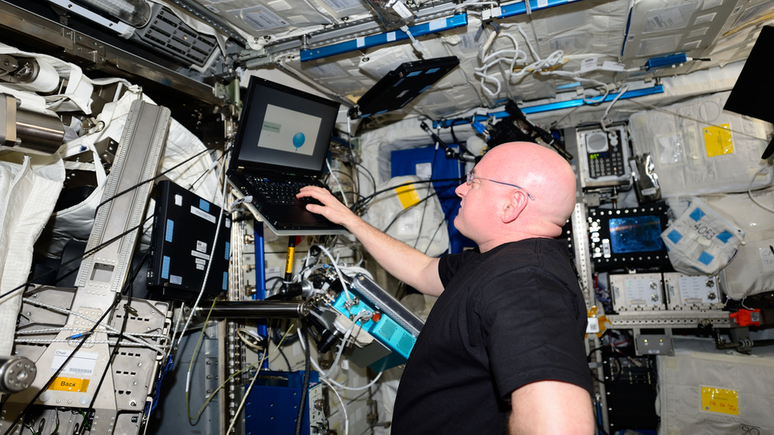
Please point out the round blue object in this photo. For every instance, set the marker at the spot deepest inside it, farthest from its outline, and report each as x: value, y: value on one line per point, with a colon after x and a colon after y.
x: 299, y: 139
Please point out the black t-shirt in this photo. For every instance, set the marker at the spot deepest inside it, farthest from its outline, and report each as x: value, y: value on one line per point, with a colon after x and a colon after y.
x: 506, y: 318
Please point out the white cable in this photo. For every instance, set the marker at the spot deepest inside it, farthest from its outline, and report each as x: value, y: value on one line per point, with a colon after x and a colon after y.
x: 416, y: 44
x: 111, y: 343
x: 338, y: 272
x: 209, y: 263
x: 247, y: 393
x: 621, y: 91
x: 344, y: 387
x: 107, y: 327
x: 338, y: 183
x: 343, y: 407
x: 749, y: 187
x: 354, y: 270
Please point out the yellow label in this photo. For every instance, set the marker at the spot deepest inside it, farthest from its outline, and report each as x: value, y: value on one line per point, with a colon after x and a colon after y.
x: 70, y: 384
x: 720, y: 400
x: 718, y: 140
x: 289, y: 264
x: 407, y: 195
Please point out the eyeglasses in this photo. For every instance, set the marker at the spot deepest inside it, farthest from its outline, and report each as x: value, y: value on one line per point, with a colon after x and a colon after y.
x: 472, y: 177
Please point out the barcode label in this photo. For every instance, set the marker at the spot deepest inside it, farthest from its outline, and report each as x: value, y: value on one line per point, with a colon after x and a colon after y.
x: 82, y: 363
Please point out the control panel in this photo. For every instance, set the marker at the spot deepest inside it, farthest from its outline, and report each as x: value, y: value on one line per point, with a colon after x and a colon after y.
x: 686, y: 292
x: 604, y: 155
x: 642, y: 291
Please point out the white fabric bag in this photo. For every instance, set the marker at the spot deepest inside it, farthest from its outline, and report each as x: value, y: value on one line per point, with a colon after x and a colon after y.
x: 701, y: 241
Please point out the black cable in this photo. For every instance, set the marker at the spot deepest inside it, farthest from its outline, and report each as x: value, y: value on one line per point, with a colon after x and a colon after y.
x: 115, y: 238
x: 287, y: 362
x: 424, y: 207
x: 85, y: 254
x: 370, y: 175
x: 141, y: 183
x: 305, y: 387
x: 130, y: 287
x: 405, y: 210
x: 400, y: 213
x: 409, y: 183
x: 48, y: 383
x: 203, y: 174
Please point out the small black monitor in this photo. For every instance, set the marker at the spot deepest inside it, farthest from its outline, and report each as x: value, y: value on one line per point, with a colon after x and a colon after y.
x: 401, y: 85
x: 752, y: 94
x: 629, y: 237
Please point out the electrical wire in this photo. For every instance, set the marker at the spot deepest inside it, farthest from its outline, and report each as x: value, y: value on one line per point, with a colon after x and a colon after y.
x: 343, y: 406
x: 258, y: 363
x: 305, y: 388
x: 369, y: 198
x: 603, y: 121
x: 344, y: 387
x: 338, y: 183
x: 127, y: 306
x: 749, y: 187
x: 85, y: 254
x: 247, y: 393
x: 209, y: 265
x: 48, y: 383
x: 680, y: 115
x: 193, y: 358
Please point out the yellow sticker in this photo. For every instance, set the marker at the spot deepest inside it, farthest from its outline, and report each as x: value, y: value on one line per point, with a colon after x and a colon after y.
x: 70, y: 384
x: 717, y: 140
x: 720, y: 400
x: 407, y: 195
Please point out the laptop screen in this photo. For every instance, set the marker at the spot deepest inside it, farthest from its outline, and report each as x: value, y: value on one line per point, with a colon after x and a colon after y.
x: 283, y: 130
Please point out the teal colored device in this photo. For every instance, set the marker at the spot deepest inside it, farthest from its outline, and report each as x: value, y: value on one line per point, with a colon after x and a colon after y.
x: 391, y: 324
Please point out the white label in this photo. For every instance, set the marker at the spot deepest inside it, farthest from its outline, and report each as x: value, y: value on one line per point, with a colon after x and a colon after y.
x: 360, y: 42
x: 437, y: 24
x: 606, y: 248
x: 201, y: 246
x: 260, y: 18
x: 178, y: 200
x: 695, y: 289
x: 424, y: 170
x: 202, y: 214
x: 344, y: 364
x: 200, y: 263
x: 542, y: 4
x: 408, y: 223
x: 612, y: 66
x: 402, y: 10
x: 496, y: 12
x: 326, y: 70
x: 593, y: 325
x: 641, y: 292
x: 767, y: 259
x: 82, y: 363
x: 390, y: 36
x: 340, y: 5
x: 176, y: 279
x: 669, y: 18
x: 201, y: 255
x: 588, y: 64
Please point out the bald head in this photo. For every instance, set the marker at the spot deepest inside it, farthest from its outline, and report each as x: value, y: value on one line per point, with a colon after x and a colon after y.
x: 541, y: 172
x: 497, y: 213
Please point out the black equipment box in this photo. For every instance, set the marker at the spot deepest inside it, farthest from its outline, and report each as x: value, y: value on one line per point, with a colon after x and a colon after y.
x: 181, y: 246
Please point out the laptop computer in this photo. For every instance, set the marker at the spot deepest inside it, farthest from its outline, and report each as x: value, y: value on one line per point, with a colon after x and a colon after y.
x: 281, y: 144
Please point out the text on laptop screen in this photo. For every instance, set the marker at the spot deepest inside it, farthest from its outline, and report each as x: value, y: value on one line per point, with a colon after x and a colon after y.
x: 284, y: 129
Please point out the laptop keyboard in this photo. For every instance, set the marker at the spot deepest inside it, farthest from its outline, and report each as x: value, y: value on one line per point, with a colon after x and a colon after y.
x: 278, y: 192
